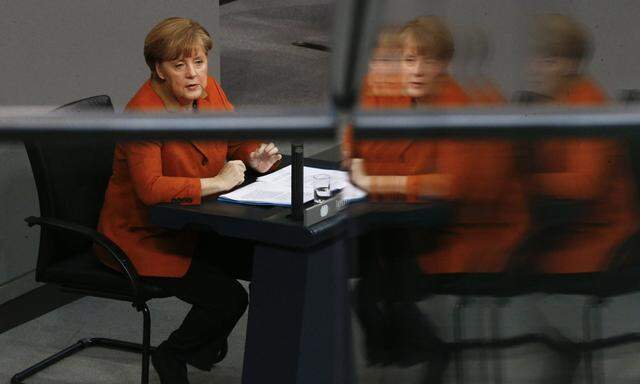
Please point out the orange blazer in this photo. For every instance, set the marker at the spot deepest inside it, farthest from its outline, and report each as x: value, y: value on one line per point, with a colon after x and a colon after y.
x: 593, y: 170
x: 484, y: 92
x: 401, y: 157
x: 151, y: 172
x: 490, y: 216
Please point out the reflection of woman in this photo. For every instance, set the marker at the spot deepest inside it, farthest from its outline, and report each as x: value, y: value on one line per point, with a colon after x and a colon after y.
x: 477, y: 176
x: 181, y: 171
x: 383, y: 78
x: 593, y: 172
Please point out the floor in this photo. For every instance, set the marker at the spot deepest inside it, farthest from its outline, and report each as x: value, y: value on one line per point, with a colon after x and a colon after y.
x: 262, y: 69
x: 91, y: 317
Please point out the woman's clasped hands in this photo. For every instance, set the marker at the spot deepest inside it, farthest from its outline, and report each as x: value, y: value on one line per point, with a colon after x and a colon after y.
x: 232, y: 173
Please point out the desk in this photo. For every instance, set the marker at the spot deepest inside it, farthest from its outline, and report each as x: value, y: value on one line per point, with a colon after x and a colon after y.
x: 299, y: 325
x: 299, y: 315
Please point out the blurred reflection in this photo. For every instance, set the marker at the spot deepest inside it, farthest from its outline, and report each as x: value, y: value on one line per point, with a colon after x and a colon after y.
x: 383, y: 79
x: 582, y: 189
x: 547, y: 213
x: 584, y: 185
x: 427, y: 49
x: 562, y: 48
x: 475, y: 52
x: 477, y: 178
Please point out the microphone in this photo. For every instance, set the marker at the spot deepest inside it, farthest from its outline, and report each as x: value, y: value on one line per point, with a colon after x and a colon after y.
x: 297, y: 181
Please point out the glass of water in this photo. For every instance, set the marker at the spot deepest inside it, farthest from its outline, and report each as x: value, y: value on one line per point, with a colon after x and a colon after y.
x: 321, y: 188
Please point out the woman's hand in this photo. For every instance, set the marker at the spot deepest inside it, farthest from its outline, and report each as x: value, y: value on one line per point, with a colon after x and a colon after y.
x: 359, y: 176
x: 385, y: 184
x: 263, y: 158
x: 345, y: 162
x: 230, y: 176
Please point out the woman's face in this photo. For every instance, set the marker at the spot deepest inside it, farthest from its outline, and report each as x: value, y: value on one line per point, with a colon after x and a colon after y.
x: 185, y: 77
x: 420, y: 72
x: 551, y: 73
x: 384, y: 72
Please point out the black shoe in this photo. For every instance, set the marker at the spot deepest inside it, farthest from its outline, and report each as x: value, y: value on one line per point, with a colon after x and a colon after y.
x: 169, y: 368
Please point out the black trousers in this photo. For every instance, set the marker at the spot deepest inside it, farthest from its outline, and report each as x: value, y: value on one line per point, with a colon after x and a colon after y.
x: 218, y: 300
x: 391, y: 283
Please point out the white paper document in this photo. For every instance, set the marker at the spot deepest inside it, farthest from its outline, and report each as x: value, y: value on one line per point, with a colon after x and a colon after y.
x: 275, y: 188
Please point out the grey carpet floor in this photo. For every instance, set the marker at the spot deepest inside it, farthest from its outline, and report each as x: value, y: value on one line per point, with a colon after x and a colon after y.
x: 259, y: 65
x: 94, y: 317
x: 261, y: 69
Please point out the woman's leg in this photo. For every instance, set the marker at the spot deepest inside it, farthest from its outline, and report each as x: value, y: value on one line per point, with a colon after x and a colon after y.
x: 369, y: 298
x: 218, y: 301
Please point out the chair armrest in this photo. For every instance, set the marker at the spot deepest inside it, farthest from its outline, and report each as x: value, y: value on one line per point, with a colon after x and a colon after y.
x: 627, y: 251
x: 112, y: 248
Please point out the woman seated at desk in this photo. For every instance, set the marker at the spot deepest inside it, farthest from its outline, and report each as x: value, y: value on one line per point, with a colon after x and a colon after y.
x: 477, y: 176
x: 181, y: 171
x: 592, y: 175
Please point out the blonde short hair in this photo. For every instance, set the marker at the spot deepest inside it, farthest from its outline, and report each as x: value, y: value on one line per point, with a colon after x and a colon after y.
x: 560, y: 36
x: 173, y: 38
x: 389, y: 37
x: 432, y: 36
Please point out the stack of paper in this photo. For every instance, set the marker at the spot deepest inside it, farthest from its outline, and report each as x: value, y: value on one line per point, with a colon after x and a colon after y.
x: 275, y: 188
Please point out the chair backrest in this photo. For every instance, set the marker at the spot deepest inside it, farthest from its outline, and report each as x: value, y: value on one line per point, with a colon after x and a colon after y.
x: 629, y: 96
x: 529, y: 97
x: 632, y: 97
x: 71, y: 179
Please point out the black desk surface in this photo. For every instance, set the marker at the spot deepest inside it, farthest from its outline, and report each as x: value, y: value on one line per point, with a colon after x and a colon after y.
x: 272, y: 225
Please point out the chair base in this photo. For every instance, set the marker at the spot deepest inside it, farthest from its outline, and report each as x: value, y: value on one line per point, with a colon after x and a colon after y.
x: 77, y: 347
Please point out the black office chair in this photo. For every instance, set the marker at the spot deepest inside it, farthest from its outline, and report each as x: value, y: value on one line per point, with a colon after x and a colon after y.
x: 622, y: 276
x: 619, y: 277
x: 500, y: 287
x: 393, y: 231
x: 629, y: 96
x: 71, y: 179
x: 101, y: 103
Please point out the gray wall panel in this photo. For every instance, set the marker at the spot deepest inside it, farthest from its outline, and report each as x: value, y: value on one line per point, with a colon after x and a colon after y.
x: 59, y: 51
x: 613, y: 24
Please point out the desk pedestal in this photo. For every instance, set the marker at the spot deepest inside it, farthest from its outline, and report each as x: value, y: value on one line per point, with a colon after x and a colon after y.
x: 299, y: 328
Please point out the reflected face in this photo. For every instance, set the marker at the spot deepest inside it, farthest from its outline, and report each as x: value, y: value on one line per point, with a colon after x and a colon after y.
x: 185, y: 77
x: 550, y: 73
x: 419, y: 71
x: 385, y: 72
